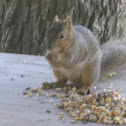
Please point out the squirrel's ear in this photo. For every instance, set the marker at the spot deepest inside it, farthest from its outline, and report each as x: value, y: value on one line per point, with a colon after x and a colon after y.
x: 68, y: 22
x: 55, y: 19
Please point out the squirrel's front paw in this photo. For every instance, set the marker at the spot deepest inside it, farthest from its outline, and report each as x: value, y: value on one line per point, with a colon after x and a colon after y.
x: 47, y: 85
x: 84, y: 91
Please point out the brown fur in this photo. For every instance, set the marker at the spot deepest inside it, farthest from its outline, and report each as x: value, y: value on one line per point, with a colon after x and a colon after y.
x: 65, y: 60
x: 74, y: 54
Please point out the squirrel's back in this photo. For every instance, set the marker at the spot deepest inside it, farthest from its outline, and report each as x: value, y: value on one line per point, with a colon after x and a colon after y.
x: 85, y: 32
x: 86, y: 35
x: 85, y: 41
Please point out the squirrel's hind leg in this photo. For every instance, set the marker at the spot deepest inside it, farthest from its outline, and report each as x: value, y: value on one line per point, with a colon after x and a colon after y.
x: 90, y: 74
x: 61, y: 81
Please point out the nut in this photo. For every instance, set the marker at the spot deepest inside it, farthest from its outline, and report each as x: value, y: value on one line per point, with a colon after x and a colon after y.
x: 76, y: 118
x: 108, y: 100
x: 35, y: 89
x: 29, y: 93
x: 40, y: 93
x: 61, y: 117
x: 58, y: 89
x: 62, y: 97
x: 116, y: 119
x: 54, y: 95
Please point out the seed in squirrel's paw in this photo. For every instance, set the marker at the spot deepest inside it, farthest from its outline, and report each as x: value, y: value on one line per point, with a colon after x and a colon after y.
x: 35, y: 89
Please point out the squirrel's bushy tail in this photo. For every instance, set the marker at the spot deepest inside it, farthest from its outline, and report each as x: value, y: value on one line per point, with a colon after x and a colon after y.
x: 113, y: 55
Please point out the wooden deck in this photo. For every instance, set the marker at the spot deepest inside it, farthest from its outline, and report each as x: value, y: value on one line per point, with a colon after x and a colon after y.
x: 17, y: 72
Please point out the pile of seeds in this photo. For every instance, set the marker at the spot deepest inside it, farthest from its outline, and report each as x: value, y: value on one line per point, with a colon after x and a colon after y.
x: 107, y: 106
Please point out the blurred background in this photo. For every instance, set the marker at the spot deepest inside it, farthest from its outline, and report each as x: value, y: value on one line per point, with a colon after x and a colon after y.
x: 24, y: 23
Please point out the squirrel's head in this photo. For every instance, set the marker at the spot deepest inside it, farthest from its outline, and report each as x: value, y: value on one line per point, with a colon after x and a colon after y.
x: 60, y: 34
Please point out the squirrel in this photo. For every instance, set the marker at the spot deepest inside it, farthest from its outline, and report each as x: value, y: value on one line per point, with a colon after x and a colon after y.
x: 75, y: 54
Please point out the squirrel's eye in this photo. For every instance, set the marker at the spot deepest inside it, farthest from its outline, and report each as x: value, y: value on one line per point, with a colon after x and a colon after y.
x: 62, y: 35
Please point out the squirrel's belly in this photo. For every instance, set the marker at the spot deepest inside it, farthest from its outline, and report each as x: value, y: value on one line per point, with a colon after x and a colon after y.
x: 73, y: 74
